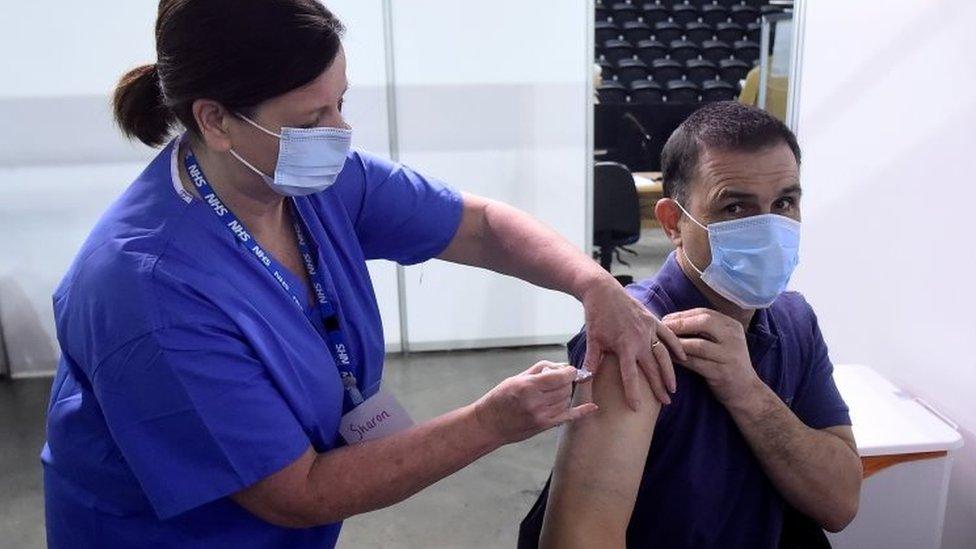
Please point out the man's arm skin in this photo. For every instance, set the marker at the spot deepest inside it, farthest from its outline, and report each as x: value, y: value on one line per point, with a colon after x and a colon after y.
x: 817, y: 471
x: 599, y: 466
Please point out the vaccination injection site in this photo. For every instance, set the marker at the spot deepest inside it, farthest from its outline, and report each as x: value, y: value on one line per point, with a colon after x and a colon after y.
x: 547, y: 274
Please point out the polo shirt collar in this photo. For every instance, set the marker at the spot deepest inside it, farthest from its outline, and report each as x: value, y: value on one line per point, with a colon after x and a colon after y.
x: 683, y: 294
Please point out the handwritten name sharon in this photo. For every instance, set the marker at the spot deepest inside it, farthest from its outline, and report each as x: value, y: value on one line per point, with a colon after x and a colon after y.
x: 361, y: 429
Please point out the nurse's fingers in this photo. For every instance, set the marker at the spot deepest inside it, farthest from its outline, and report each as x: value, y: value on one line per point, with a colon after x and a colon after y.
x: 652, y: 372
x: 555, y: 377
x: 543, y: 366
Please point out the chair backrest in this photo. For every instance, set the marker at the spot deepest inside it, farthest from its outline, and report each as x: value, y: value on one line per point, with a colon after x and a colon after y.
x: 616, y: 209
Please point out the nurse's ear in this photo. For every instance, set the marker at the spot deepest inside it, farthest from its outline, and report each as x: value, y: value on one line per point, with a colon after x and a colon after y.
x: 213, y: 120
x: 668, y: 214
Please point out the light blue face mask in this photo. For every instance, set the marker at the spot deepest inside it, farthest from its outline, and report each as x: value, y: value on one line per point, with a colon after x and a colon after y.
x: 309, y: 159
x: 752, y: 258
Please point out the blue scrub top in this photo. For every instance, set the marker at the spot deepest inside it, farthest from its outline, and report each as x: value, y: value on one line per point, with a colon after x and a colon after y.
x: 187, y: 372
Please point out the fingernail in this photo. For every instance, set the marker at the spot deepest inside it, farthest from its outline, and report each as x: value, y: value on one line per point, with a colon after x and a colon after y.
x: 673, y: 387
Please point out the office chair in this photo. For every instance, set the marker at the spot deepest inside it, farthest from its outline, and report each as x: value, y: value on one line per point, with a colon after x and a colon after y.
x: 616, y: 213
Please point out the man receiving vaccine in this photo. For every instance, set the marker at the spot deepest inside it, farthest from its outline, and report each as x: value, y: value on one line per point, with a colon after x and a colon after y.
x: 756, y: 449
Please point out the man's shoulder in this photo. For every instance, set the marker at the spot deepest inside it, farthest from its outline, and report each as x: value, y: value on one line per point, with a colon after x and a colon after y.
x: 793, y: 307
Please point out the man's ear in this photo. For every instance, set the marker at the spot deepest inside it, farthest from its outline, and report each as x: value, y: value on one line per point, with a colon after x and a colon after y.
x: 213, y: 120
x: 668, y: 214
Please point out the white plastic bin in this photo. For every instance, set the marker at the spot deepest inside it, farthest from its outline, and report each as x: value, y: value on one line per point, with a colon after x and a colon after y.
x: 906, y: 448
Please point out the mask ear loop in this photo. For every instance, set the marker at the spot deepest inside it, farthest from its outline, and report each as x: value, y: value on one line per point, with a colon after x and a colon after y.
x: 241, y: 159
x: 258, y: 126
x: 683, y: 252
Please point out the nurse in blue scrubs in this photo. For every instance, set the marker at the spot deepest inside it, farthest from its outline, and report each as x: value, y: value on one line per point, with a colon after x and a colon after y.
x: 222, y: 351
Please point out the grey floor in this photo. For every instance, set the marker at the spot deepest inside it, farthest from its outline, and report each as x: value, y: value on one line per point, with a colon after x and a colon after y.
x: 479, y: 506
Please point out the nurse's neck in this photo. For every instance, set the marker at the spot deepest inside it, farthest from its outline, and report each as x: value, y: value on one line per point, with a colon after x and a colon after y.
x: 258, y: 207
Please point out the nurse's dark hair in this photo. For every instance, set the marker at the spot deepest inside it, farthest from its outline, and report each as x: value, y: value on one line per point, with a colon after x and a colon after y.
x: 236, y: 52
x: 726, y: 125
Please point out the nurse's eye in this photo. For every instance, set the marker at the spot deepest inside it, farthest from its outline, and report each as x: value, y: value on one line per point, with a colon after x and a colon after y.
x: 341, y: 102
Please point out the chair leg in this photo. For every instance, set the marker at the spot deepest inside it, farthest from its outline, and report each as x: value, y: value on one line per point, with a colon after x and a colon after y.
x: 606, y: 257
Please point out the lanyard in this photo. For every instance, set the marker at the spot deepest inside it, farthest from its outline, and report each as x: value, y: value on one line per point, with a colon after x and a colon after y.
x: 324, y: 317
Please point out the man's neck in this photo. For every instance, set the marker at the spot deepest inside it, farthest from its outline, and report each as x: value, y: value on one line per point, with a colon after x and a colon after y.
x: 719, y: 303
x: 258, y: 207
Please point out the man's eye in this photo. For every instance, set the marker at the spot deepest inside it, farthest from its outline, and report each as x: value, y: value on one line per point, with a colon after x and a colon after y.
x: 785, y: 203
x: 733, y: 209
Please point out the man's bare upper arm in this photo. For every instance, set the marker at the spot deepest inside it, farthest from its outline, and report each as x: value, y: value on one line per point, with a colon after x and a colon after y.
x: 599, y: 465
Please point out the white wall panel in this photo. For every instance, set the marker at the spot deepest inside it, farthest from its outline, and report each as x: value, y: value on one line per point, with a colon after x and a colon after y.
x: 491, y: 98
x: 887, y: 257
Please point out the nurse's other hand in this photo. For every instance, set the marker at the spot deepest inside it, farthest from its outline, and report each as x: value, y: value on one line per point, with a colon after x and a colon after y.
x: 618, y: 324
x: 531, y: 402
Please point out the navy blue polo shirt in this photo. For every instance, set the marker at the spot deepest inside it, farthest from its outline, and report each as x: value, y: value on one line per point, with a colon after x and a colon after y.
x: 702, y: 486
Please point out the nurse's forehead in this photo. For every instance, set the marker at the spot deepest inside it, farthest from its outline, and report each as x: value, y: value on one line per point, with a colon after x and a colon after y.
x: 766, y: 171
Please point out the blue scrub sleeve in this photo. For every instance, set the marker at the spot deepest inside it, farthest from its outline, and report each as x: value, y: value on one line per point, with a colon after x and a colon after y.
x: 404, y: 216
x: 195, y: 414
x: 817, y: 402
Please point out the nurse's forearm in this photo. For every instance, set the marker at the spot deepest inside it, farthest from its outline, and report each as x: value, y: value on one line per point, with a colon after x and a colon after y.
x: 504, y: 239
x: 333, y: 486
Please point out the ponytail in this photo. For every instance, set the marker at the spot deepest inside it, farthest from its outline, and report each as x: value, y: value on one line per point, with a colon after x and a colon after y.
x: 139, y: 108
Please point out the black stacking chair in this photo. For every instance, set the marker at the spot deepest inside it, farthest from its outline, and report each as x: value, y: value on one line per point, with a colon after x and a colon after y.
x: 612, y: 92
x: 716, y: 50
x: 666, y: 31
x: 744, y: 15
x: 714, y: 14
x: 698, y: 32
x: 683, y: 14
x: 630, y: 70
x: 615, y: 50
x: 718, y: 90
x: 649, y: 50
x: 603, y: 13
x: 616, y: 211
x: 753, y: 32
x: 756, y: 3
x: 683, y: 91
x: 655, y: 13
x: 683, y: 50
x: 635, y: 31
x: 646, y: 92
x: 746, y: 50
x: 606, y: 30
x: 701, y: 70
x: 665, y: 70
x: 728, y: 3
x: 730, y: 32
x: 768, y: 9
x: 625, y: 12
x: 733, y: 70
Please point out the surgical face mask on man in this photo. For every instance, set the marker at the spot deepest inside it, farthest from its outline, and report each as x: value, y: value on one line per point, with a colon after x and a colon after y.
x: 309, y: 159
x: 753, y: 258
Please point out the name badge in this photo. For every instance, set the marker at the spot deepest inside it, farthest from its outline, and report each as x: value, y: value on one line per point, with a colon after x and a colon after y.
x: 380, y: 416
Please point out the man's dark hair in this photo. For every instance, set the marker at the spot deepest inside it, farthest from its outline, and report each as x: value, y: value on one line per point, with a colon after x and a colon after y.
x: 725, y: 125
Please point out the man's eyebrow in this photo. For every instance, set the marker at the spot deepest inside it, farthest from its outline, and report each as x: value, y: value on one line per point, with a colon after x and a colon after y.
x: 727, y: 193
x: 793, y: 189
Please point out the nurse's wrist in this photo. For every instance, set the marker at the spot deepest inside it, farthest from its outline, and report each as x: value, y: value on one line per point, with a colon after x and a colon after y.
x: 590, y: 279
x: 483, y: 436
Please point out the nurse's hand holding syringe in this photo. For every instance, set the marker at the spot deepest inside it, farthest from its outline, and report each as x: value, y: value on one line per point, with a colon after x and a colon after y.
x: 322, y: 488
